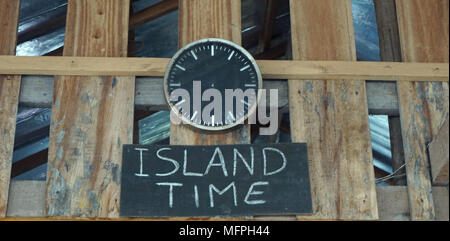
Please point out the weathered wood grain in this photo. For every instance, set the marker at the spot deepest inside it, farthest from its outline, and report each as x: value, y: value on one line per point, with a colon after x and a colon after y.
x: 439, y: 156
x: 200, y: 19
x: 265, y: 36
x: 389, y: 42
x: 423, y: 28
x: 37, y: 91
x: 397, y: 154
x: 393, y: 203
x: 441, y: 203
x: 27, y: 199
x: 388, y: 35
x: 9, y: 95
x: 92, y: 117
x: 27, y: 202
x: 270, y: 69
x: 331, y: 116
x: 208, y: 19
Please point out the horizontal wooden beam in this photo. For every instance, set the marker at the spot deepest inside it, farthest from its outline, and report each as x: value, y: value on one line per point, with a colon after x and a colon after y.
x: 37, y: 91
x: 271, y: 69
x: 393, y: 204
x: 27, y: 202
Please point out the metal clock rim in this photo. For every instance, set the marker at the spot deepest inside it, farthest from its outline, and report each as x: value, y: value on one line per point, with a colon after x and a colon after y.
x: 212, y: 128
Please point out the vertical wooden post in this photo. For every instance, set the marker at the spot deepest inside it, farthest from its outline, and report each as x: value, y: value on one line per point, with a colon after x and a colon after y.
x: 332, y: 116
x: 92, y: 117
x: 423, y: 28
x: 398, y: 157
x: 9, y: 96
x: 265, y: 36
x: 390, y: 51
x: 209, y: 19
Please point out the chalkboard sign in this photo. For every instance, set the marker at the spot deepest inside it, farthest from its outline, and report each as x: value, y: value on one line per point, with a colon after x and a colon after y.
x: 192, y: 181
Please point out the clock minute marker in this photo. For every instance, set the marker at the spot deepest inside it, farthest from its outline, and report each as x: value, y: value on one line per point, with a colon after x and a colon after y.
x: 231, y: 55
x: 250, y: 85
x: 212, y: 50
x: 194, y: 55
x: 246, y: 67
x: 180, y: 67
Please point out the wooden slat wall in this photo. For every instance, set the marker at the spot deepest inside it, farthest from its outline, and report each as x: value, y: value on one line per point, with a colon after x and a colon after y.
x: 92, y: 117
x: 332, y: 116
x: 9, y: 96
x: 200, y: 19
x: 85, y: 151
x: 424, y: 37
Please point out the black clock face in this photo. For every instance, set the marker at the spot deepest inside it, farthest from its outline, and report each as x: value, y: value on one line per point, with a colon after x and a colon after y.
x: 217, y: 67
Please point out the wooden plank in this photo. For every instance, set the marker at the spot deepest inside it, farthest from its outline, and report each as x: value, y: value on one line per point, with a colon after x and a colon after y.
x: 331, y: 116
x: 387, y: 24
x: 441, y: 203
x: 265, y: 37
x: 382, y: 98
x: 393, y: 203
x: 37, y: 91
x: 423, y: 28
x: 200, y: 19
x: 27, y: 199
x: 27, y: 202
x: 439, y: 156
x: 207, y: 19
x: 270, y: 69
x: 398, y: 157
x: 389, y: 42
x: 9, y: 95
x: 91, y: 116
x: 153, y: 12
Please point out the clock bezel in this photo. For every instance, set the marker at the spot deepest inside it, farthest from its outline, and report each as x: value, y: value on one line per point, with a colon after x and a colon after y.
x: 243, y: 51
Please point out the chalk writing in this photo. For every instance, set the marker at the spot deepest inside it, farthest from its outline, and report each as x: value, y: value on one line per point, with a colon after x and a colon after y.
x: 215, y: 180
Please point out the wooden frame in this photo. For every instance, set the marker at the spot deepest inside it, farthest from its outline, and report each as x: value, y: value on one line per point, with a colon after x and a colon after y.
x: 416, y: 74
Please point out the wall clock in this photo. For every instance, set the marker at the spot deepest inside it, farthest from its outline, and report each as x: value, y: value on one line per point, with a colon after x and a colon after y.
x: 213, y: 64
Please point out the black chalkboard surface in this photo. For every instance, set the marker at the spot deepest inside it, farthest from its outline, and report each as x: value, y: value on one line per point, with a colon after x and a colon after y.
x: 192, y: 181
